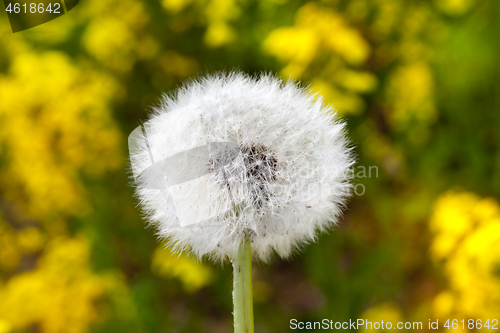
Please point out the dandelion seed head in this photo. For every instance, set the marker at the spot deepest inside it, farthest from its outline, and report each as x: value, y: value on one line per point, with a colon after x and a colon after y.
x: 230, y: 156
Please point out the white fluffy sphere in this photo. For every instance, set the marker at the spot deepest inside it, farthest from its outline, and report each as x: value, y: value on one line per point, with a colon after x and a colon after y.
x: 232, y: 156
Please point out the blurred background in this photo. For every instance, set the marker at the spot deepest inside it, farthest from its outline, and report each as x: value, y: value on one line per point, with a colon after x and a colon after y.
x: 417, y: 81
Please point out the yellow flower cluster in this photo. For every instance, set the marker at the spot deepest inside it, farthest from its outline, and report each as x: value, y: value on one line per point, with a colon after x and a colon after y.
x: 14, y: 243
x: 55, y: 126
x: 55, y: 120
x: 216, y: 14
x: 342, y: 52
x: 58, y: 296
x: 319, y: 34
x: 410, y: 94
x: 117, y: 35
x: 467, y: 241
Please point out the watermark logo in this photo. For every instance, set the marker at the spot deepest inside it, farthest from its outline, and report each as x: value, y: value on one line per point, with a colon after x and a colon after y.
x: 28, y: 14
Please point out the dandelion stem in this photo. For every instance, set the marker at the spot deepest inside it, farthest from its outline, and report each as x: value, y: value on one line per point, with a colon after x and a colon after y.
x: 242, y: 289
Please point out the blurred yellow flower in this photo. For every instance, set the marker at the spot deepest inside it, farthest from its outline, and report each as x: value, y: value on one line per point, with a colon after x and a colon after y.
x: 467, y: 241
x: 345, y: 102
x: 410, y: 93
x: 357, y: 81
x: 5, y: 326
x: 389, y: 15
x: 64, y: 125
x: 218, y: 34
x: 31, y: 239
x: 454, y: 7
x: 10, y: 253
x: 175, y: 6
x: 193, y: 274
x: 218, y: 14
x: 110, y: 41
x: 387, y: 312
x: 297, y: 45
x: 321, y: 33
x: 317, y: 28
x: 443, y: 304
x: 59, y: 295
x: 222, y: 10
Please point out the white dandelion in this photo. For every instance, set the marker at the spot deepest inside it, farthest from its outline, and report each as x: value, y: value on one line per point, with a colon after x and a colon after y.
x: 232, y: 164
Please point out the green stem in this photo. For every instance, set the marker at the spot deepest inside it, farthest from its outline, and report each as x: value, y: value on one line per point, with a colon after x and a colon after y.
x: 242, y: 289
